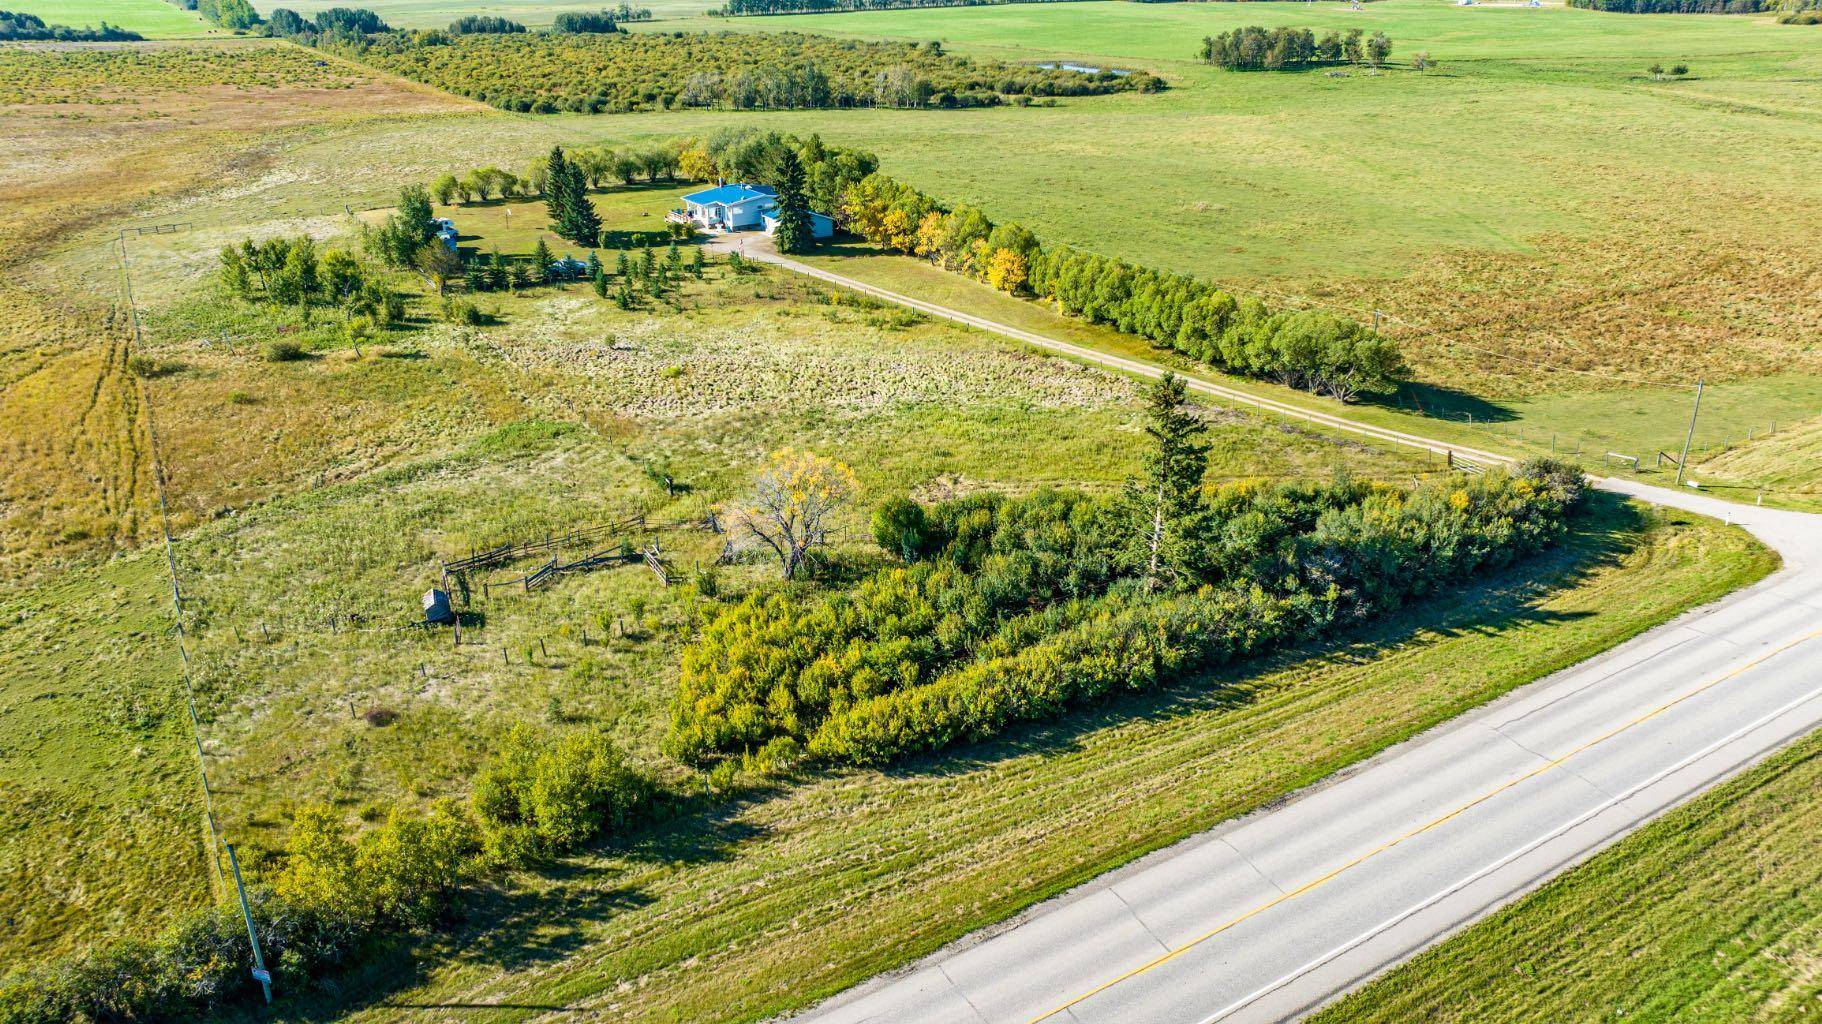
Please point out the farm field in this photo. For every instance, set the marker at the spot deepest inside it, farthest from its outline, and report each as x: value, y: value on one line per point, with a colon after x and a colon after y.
x: 1753, y: 439
x: 154, y: 19
x: 1533, y: 273
x: 313, y: 498
x: 1708, y: 915
x: 289, y: 483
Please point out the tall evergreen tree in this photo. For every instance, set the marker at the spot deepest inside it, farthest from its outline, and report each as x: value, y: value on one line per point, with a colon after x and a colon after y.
x: 794, y: 232
x: 1165, y: 499
x: 556, y: 197
x: 572, y: 215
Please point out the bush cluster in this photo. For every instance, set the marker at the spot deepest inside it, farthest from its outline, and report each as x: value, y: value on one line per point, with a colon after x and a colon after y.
x: 1307, y: 349
x: 546, y: 73
x: 539, y: 799
x: 334, y: 23
x: 291, y: 271
x: 229, y: 14
x: 484, y: 24
x: 1254, y: 48
x: 341, y: 892
x: 1016, y: 609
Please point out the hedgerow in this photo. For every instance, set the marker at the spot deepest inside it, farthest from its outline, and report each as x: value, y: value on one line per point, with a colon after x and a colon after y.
x: 546, y: 73
x: 1017, y: 609
x: 1301, y: 348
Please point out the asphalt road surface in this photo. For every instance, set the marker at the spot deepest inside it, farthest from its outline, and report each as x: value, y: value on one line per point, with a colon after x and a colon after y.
x: 1270, y: 916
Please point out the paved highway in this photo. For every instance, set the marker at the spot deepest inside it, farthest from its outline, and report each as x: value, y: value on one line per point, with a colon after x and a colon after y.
x: 1270, y: 916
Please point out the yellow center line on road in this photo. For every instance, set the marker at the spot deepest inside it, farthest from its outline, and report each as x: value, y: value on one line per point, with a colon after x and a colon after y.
x: 1420, y: 830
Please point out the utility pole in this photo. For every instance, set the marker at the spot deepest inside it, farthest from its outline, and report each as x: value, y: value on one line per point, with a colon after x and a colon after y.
x: 1682, y: 464
x: 260, y: 974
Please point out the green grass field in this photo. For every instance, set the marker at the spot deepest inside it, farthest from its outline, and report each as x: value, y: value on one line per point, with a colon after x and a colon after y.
x: 1751, y: 435
x: 154, y: 19
x: 305, y: 493
x: 1708, y: 916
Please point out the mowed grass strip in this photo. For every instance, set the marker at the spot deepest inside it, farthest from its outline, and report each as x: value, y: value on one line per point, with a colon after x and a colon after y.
x: 771, y: 905
x: 1710, y: 915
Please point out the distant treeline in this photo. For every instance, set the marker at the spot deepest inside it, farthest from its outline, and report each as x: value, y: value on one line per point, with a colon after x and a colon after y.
x: 1301, y: 348
x: 740, y: 8
x: 544, y: 73
x: 15, y: 27
x: 231, y: 14
x: 1678, y: 6
x: 1255, y: 48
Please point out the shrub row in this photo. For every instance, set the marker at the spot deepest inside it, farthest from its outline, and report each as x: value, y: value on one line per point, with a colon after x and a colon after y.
x: 1013, y: 610
x: 546, y: 73
x: 1309, y: 349
x: 1359, y: 560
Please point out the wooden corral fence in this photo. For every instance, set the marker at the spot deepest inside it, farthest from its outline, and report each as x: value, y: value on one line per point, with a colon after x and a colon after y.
x: 547, y: 545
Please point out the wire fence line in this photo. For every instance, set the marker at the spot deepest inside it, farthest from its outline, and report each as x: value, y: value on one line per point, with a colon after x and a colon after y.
x: 179, y: 632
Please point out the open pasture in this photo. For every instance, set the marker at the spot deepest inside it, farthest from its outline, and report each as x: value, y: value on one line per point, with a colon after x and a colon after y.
x: 154, y: 19
x: 1544, y: 224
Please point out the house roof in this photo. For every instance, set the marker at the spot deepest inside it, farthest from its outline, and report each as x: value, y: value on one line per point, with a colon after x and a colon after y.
x: 727, y: 195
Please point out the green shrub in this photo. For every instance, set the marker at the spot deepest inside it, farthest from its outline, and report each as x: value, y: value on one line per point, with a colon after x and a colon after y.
x: 898, y: 526
x: 282, y: 350
x: 538, y: 799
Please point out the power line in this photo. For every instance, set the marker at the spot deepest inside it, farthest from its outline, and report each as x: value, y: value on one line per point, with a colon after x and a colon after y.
x: 177, y: 614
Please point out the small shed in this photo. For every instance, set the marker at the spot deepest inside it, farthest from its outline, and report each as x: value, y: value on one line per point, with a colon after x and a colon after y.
x: 437, y: 609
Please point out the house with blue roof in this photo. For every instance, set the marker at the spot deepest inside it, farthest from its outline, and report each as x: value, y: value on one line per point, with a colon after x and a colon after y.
x: 736, y: 207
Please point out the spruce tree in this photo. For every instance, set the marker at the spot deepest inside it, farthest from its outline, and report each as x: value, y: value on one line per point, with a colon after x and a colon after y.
x: 1168, y: 516
x: 541, y: 260
x: 556, y: 197
x: 794, y: 232
x: 620, y: 265
x: 584, y: 222
x: 572, y: 216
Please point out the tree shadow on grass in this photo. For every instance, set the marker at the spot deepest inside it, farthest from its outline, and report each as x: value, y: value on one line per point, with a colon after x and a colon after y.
x: 1509, y: 599
x: 1442, y: 403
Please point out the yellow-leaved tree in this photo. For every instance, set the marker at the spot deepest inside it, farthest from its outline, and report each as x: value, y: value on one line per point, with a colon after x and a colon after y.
x: 1007, y: 271
x: 791, y: 508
